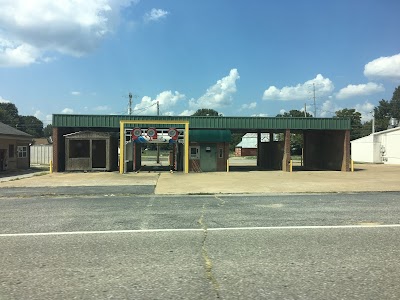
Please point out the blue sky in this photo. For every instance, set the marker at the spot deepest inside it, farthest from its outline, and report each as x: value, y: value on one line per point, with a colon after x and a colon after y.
x: 241, y: 58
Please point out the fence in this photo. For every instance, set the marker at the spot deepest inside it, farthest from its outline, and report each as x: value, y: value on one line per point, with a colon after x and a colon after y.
x: 41, y: 154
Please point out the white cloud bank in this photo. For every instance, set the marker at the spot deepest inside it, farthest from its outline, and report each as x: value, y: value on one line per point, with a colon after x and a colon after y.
x: 323, y: 87
x: 359, y: 90
x: 67, y: 111
x: 2, y: 100
x: 30, y: 30
x: 366, y: 110
x: 218, y: 95
x: 387, y: 67
x: 155, y: 15
x: 251, y: 105
x: 166, y: 99
x: 328, y: 109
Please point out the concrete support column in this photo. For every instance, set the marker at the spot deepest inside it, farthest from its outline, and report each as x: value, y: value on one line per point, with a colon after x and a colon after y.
x: 258, y: 148
x: 305, y: 146
x: 56, y: 149
x: 286, y: 152
x: 346, y: 152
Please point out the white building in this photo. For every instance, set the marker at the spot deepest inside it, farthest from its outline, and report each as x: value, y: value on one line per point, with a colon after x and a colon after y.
x: 379, y: 147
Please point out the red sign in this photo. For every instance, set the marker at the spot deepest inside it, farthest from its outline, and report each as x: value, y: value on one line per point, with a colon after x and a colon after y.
x: 136, y: 132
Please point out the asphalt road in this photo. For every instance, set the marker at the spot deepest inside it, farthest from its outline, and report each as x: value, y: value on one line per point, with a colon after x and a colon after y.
x: 103, y: 246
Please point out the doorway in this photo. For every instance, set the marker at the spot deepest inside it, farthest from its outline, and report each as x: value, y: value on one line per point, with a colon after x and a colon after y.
x: 99, y: 160
x: 208, y: 157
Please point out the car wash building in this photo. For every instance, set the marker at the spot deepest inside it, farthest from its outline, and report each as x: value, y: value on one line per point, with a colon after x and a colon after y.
x: 199, y: 144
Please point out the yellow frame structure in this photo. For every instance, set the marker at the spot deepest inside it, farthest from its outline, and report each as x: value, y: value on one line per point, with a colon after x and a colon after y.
x: 122, y: 140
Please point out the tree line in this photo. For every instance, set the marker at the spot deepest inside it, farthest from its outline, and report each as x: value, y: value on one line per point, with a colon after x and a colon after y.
x: 30, y: 124
x: 385, y: 110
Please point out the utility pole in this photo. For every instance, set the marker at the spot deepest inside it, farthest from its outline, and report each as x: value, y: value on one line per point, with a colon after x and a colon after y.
x: 305, y: 110
x: 373, y: 121
x: 130, y: 104
x: 158, y: 145
x: 315, y: 106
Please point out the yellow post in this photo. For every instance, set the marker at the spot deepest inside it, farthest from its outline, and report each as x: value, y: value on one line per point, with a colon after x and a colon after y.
x: 51, y: 166
x: 186, y: 136
x: 352, y: 165
x: 121, y: 147
x: 122, y: 139
x: 227, y: 165
x: 291, y: 166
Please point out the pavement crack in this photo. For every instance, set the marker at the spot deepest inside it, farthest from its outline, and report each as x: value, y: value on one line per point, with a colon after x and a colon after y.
x: 146, y: 214
x: 208, y: 265
x: 221, y: 201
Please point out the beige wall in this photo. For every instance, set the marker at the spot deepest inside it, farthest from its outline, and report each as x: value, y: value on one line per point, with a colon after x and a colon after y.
x: 14, y: 162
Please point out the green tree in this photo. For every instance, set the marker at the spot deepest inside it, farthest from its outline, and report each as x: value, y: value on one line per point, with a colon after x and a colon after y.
x: 395, y: 104
x: 235, y: 139
x: 31, y: 125
x: 386, y: 110
x: 355, y: 118
x: 206, y: 112
x: 294, y: 113
x: 366, y: 128
x: 48, y: 130
x: 9, y: 114
x: 382, y: 114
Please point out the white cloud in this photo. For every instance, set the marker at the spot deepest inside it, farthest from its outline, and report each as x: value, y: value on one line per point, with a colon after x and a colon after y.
x: 155, y: 15
x: 38, y: 114
x: 328, y: 109
x: 323, y: 87
x: 218, y: 95
x: 260, y: 115
x: 366, y: 110
x: 251, y: 105
x: 75, y: 93
x: 359, y: 90
x: 48, y: 120
x: 102, y: 108
x: 282, y: 111
x: 166, y: 100
x: 30, y: 30
x: 67, y: 111
x: 16, y: 55
x: 387, y: 67
x: 187, y: 112
x: 2, y: 100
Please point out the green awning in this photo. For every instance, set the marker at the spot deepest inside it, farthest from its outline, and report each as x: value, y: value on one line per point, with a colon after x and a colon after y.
x: 211, y: 136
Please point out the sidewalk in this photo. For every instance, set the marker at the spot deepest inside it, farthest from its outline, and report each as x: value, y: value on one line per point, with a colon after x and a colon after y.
x: 366, y: 178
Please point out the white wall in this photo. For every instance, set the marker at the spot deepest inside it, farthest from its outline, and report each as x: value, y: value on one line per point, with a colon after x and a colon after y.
x: 41, y: 154
x: 362, y: 150
x: 380, y: 147
x: 391, y: 143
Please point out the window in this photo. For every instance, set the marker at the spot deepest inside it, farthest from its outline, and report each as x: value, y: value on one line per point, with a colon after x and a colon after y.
x: 221, y: 153
x: 11, y: 149
x: 79, y: 148
x: 22, y: 151
x: 195, y: 152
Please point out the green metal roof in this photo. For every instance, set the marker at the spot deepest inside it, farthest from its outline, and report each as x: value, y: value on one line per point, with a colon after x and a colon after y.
x: 212, y: 136
x: 208, y: 122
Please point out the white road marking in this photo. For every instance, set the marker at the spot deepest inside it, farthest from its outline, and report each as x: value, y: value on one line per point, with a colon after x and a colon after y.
x: 201, y: 230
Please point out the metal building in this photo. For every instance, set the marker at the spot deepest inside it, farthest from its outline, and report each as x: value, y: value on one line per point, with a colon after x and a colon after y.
x: 326, y: 140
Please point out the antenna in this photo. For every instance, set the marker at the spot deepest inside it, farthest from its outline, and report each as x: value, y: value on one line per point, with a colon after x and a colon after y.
x: 130, y: 104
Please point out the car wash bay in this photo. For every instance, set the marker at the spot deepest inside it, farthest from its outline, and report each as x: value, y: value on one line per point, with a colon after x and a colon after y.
x: 326, y: 140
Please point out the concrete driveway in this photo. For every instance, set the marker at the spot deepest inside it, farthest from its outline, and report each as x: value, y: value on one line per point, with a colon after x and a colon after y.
x: 365, y: 178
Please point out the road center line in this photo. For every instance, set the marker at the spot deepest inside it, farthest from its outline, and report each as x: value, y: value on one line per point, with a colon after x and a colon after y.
x: 199, y: 230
